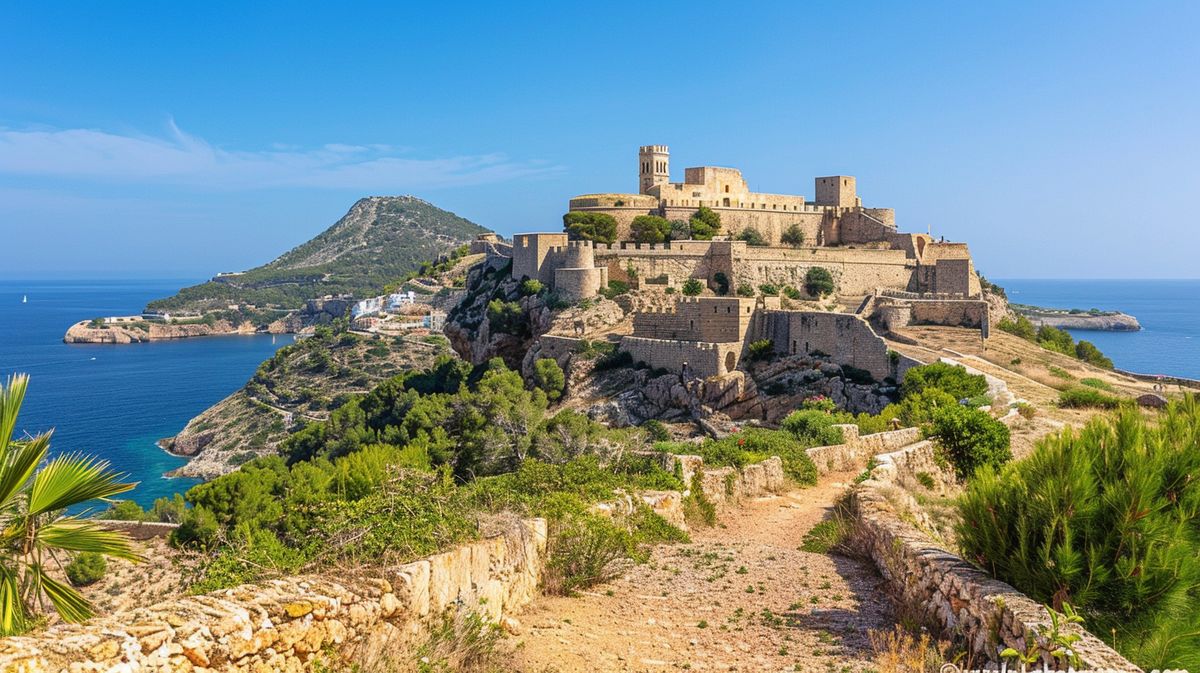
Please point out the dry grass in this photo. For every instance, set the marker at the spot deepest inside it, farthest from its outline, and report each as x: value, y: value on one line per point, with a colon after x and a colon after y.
x: 899, y: 651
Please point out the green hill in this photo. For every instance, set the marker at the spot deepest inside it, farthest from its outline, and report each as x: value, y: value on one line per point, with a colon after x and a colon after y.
x: 381, y: 239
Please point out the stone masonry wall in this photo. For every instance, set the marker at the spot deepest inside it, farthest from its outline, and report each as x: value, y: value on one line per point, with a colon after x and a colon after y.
x: 941, y: 587
x: 284, y: 625
x: 855, y: 450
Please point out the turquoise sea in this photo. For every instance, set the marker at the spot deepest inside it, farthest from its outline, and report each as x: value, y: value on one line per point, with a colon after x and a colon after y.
x: 116, y: 401
x: 1169, y: 311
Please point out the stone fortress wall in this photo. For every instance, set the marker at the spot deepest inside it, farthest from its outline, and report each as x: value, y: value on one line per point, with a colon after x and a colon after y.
x: 567, y: 267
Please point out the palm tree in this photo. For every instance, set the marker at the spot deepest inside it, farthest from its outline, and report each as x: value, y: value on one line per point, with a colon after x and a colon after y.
x: 34, y: 528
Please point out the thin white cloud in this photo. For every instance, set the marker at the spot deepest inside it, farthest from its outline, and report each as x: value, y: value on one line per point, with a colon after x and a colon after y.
x: 183, y: 159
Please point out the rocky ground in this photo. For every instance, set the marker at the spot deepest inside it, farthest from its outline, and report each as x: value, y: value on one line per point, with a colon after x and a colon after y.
x: 740, y: 597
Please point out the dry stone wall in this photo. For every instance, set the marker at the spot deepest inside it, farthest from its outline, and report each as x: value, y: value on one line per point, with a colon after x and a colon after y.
x: 855, y: 450
x: 943, y: 589
x: 286, y: 624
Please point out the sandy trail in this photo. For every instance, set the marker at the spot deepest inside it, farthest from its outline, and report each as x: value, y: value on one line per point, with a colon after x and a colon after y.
x: 740, y: 597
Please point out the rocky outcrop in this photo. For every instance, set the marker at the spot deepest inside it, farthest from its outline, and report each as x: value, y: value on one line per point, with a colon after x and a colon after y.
x: 84, y: 332
x: 291, y: 624
x: 1104, y: 322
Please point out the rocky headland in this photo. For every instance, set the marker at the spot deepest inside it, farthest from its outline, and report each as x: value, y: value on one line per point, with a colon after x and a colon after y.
x: 86, y: 332
x: 1105, y: 321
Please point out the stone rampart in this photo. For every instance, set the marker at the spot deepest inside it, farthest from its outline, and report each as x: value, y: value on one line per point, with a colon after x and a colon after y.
x: 722, y: 486
x: 287, y: 624
x: 943, y: 589
x: 845, y: 337
x: 691, y: 358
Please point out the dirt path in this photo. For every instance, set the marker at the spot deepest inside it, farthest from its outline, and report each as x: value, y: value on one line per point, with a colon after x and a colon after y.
x: 740, y: 597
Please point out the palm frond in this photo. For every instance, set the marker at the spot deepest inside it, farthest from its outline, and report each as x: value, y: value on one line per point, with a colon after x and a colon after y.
x: 69, y: 604
x: 17, y: 465
x: 80, y: 535
x: 12, y: 611
x: 72, y: 479
x: 12, y: 394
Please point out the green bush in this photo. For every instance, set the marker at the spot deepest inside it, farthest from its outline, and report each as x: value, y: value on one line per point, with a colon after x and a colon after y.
x: 649, y: 229
x: 615, y: 289
x: 722, y: 283
x: 1021, y: 327
x: 792, y: 293
x: 769, y: 290
x: 1057, y: 340
x: 1103, y: 518
x: 1087, y: 351
x: 549, y: 377
x: 1099, y: 384
x: 752, y: 237
x: 818, y: 282
x: 952, y: 379
x: 507, y: 317
x: 1083, y: 398
x: 745, y: 290
x: 793, y: 236
x: 584, y: 550
x: 813, y: 427
x: 692, y: 287
x: 613, y: 360
x: 761, y: 349
x: 656, y: 431
x: 705, y: 224
x: 531, y: 286
x: 86, y: 568
x: 598, y: 227
x: 969, y: 439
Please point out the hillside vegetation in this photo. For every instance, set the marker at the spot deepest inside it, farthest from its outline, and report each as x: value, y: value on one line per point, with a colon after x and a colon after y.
x: 381, y: 239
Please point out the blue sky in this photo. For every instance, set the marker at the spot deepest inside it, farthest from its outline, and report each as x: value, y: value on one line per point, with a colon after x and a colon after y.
x: 181, y: 139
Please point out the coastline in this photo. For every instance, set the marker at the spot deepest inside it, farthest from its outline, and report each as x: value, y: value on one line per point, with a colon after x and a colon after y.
x: 87, y: 332
x: 1106, y: 321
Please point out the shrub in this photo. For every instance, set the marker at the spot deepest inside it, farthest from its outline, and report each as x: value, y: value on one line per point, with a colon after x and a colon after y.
x: 584, y: 550
x: 952, y: 379
x: 970, y: 439
x: 813, y: 427
x: 680, y: 230
x: 1087, y: 351
x: 549, y: 377
x: 1102, y: 518
x: 768, y: 290
x: 598, y: 227
x: 745, y: 290
x: 1099, y: 384
x: 1060, y: 373
x: 507, y: 317
x: 705, y: 224
x: 761, y: 349
x: 1080, y: 398
x: 818, y: 282
x: 825, y: 536
x: 656, y: 430
x: 1020, y: 326
x: 692, y: 287
x: 86, y: 568
x: 615, y: 289
x: 1057, y: 340
x: 722, y: 283
x: 650, y: 229
x: 793, y: 236
x: 791, y: 293
x: 697, y: 509
x: 531, y: 286
x: 613, y: 360
x: 752, y: 237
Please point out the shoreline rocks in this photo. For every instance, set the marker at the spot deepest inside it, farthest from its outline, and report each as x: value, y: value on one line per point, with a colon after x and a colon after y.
x: 83, y: 332
x: 1103, y: 322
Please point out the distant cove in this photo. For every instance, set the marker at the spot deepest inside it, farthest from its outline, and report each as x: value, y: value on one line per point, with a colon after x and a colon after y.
x: 1168, y: 310
x: 116, y: 401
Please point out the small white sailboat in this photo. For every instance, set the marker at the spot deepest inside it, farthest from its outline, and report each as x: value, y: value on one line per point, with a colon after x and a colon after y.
x: 24, y: 299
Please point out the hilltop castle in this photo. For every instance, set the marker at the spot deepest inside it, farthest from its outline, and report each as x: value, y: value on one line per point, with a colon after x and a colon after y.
x: 895, y: 278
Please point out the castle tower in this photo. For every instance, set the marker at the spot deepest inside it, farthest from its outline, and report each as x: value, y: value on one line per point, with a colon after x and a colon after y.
x: 837, y: 190
x: 654, y: 167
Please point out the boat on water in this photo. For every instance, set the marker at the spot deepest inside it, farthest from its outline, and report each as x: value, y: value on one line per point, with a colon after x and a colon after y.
x: 24, y: 299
